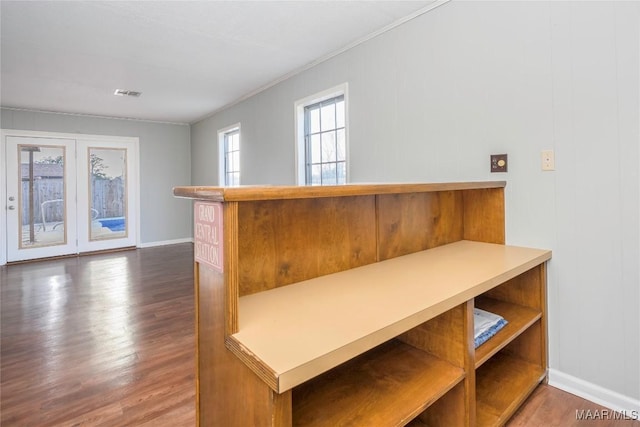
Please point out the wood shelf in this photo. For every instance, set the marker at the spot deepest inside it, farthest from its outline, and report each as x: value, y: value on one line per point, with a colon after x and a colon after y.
x: 387, y: 386
x: 291, y: 334
x: 502, y: 384
x: 519, y: 318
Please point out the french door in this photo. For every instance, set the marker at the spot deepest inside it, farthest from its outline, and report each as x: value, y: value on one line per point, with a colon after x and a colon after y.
x: 107, y: 216
x: 41, y: 197
x: 67, y: 195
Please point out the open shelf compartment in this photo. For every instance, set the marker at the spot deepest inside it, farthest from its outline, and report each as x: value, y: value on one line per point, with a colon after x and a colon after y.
x: 505, y: 380
x: 519, y: 318
x: 389, y: 385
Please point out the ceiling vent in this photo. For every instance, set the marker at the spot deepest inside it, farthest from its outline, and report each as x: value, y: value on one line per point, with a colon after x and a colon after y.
x: 122, y: 92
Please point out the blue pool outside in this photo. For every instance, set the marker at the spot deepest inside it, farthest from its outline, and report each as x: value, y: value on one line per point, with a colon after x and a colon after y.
x: 113, y: 224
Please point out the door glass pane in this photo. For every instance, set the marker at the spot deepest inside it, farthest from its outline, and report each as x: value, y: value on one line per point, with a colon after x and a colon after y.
x: 42, y: 204
x: 108, y: 190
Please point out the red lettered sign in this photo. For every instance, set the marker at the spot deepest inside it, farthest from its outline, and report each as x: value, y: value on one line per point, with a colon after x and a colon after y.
x: 208, y: 234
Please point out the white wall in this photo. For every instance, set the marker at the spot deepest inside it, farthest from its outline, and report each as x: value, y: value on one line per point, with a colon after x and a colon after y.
x: 431, y: 99
x: 165, y: 161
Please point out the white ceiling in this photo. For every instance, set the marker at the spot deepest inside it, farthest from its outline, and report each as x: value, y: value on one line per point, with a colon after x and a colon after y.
x: 188, y: 58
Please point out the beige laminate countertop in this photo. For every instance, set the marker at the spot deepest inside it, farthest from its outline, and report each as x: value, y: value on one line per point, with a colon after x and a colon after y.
x: 299, y: 331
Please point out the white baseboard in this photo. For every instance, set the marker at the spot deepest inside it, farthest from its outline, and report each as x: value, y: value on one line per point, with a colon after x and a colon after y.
x: 165, y: 242
x: 596, y: 394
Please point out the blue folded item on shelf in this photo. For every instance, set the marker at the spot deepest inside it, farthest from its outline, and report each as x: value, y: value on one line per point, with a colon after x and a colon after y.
x: 486, y: 325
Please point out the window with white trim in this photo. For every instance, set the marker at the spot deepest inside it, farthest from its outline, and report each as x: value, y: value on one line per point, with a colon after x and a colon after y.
x: 229, y: 142
x: 322, y: 138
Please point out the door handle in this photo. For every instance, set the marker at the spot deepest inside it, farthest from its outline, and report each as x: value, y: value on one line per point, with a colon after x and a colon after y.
x: 12, y: 208
x: 11, y: 198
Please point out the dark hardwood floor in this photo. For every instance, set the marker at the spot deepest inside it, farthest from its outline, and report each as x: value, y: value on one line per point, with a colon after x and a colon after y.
x: 108, y: 340
x: 101, y: 340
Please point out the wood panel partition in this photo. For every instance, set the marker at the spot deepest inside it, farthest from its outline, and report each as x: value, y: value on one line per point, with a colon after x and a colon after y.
x: 353, y: 305
x: 288, y: 241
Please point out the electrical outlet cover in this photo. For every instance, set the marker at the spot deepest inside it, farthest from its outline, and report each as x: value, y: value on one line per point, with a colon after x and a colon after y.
x: 498, y: 163
x: 548, y: 160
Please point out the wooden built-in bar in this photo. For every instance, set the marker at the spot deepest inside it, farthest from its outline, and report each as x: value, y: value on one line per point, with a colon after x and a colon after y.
x: 353, y: 305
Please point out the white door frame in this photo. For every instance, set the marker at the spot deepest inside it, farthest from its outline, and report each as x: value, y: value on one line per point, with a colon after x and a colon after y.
x: 3, y: 202
x: 62, y: 241
x: 85, y: 243
x: 4, y: 133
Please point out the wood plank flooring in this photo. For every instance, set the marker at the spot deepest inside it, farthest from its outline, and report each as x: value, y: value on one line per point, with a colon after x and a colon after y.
x: 108, y: 340
x: 101, y: 340
x: 549, y: 407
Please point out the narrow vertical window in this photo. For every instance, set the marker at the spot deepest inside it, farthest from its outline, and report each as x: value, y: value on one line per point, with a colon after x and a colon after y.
x: 322, y: 138
x: 229, y: 140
